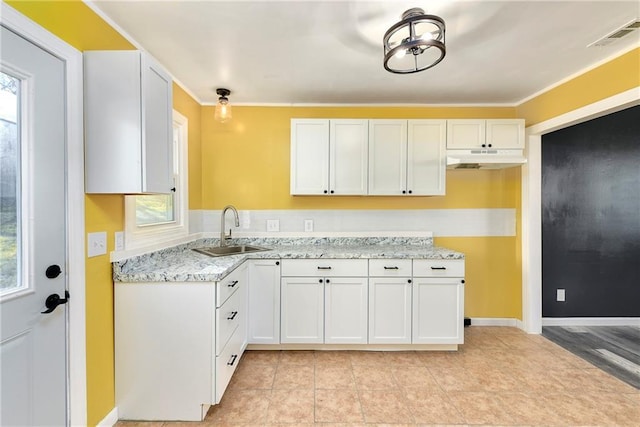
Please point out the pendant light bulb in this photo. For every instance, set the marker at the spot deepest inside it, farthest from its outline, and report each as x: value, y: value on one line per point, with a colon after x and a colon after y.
x: 223, y: 108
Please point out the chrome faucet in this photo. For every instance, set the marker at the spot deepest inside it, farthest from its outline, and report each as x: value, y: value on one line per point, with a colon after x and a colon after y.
x: 223, y: 236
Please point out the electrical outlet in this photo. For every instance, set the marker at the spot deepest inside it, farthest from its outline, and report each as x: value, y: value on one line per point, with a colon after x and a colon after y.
x: 96, y: 243
x: 308, y: 225
x: 560, y: 295
x: 273, y: 225
x: 119, y: 239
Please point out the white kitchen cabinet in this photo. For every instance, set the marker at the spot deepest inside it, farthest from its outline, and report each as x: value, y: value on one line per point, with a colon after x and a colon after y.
x: 264, y: 301
x: 472, y: 134
x: 177, y: 345
x: 128, y: 123
x: 318, y: 295
x: 390, y: 301
x: 302, y: 308
x: 345, y: 310
x: 407, y: 157
x: 438, y: 302
x: 328, y: 156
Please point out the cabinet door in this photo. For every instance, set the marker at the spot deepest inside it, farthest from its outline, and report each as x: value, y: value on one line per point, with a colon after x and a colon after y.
x: 466, y: 134
x: 508, y: 133
x: 387, y: 157
x: 264, y: 302
x: 438, y: 311
x: 309, y: 156
x: 348, y: 147
x: 426, y: 157
x: 389, y: 310
x: 345, y: 310
x: 302, y: 310
x: 157, y: 127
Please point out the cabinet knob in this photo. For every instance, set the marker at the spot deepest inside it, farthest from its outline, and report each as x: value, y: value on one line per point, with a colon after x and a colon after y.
x: 489, y: 145
x: 325, y: 191
x: 409, y: 281
x: 332, y: 191
x: 277, y: 262
x: 462, y: 281
x: 410, y: 191
x: 484, y: 145
x: 404, y: 192
x: 327, y: 281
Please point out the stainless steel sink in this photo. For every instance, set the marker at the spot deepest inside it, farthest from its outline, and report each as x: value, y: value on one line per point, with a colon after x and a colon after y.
x: 229, y: 250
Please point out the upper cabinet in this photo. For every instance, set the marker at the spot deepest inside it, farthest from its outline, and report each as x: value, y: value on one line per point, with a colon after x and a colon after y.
x: 128, y: 123
x: 407, y: 157
x: 470, y: 134
x: 328, y: 157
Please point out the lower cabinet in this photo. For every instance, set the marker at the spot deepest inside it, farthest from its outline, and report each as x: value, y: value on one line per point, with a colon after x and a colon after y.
x: 264, y: 301
x: 345, y: 310
x: 302, y: 310
x: 390, y: 310
x: 177, y: 345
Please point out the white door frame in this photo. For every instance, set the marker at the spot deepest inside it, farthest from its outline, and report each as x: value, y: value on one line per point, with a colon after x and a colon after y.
x: 75, y: 268
x: 531, y: 218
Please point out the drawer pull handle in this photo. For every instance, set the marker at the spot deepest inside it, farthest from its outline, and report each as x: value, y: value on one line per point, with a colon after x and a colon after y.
x: 233, y: 360
x: 324, y: 268
x: 438, y: 268
x: 390, y: 268
x: 235, y: 282
x: 233, y: 315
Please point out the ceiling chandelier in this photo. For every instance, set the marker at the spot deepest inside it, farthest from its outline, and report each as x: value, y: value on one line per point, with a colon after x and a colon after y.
x: 223, y: 109
x: 414, y: 44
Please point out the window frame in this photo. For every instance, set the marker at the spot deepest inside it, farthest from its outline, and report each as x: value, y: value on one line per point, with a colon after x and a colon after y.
x: 136, y: 237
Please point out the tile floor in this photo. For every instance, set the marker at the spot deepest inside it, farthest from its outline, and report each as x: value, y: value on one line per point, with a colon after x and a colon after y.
x: 500, y: 376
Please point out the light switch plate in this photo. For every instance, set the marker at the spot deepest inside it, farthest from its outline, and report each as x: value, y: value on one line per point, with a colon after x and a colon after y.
x: 273, y: 225
x: 96, y: 243
x: 246, y: 219
x: 308, y: 225
x: 119, y: 241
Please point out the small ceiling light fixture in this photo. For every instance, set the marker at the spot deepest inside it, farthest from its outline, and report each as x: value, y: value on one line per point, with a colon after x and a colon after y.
x: 223, y: 109
x: 416, y: 43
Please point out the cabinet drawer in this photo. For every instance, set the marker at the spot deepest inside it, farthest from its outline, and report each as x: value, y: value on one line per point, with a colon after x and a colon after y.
x: 389, y: 267
x: 230, y: 284
x: 325, y: 267
x: 227, y: 319
x: 227, y: 362
x: 438, y: 268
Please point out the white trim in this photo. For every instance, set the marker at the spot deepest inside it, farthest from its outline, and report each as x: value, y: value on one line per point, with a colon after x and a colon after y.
x: 591, y: 321
x: 75, y: 203
x: 532, y: 196
x: 579, y: 73
x: 494, y: 321
x: 333, y: 105
x: 110, y: 420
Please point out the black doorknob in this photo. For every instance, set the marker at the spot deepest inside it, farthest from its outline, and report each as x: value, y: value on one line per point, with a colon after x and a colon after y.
x: 53, y: 271
x: 54, y: 300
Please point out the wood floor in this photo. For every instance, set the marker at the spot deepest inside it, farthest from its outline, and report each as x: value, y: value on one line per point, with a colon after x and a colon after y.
x: 500, y: 376
x: 614, y: 349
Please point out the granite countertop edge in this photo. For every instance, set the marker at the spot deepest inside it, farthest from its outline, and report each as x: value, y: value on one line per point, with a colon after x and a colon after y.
x: 182, y: 264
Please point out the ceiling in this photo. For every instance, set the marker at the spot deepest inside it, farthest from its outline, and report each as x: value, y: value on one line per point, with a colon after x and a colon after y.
x: 330, y: 52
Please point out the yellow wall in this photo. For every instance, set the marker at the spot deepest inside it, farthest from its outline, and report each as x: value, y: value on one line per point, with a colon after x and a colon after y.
x: 611, y: 78
x: 79, y: 26
x: 255, y: 146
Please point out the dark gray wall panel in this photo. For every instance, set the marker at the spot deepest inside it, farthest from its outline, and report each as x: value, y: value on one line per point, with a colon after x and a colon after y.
x: 591, y: 217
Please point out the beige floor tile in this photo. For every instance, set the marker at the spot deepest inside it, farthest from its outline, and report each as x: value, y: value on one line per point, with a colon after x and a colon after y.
x: 432, y: 407
x: 455, y: 379
x: 249, y: 376
x: 537, y: 381
x: 261, y: 357
x: 616, y: 408
x: 374, y: 378
x: 441, y: 359
x: 415, y: 377
x: 490, y: 379
x: 291, y: 407
x: 331, y: 377
x: 294, y: 377
x: 368, y: 358
x: 333, y: 358
x: 594, y: 379
x: 574, y: 409
x: 404, y: 358
x: 483, y: 342
x: 241, y: 406
x: 299, y: 357
x: 338, y: 406
x: 529, y: 409
x: 481, y: 408
x: 384, y: 406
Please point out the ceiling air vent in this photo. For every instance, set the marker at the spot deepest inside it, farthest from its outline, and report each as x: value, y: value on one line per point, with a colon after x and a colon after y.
x: 617, y: 34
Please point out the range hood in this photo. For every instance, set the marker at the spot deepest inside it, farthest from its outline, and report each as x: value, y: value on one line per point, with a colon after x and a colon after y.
x: 484, y: 159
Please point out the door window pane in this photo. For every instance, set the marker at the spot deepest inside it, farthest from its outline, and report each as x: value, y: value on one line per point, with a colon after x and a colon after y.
x: 9, y: 185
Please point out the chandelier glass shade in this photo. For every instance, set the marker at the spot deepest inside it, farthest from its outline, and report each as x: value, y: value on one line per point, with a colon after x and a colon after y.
x: 416, y: 43
x: 223, y: 109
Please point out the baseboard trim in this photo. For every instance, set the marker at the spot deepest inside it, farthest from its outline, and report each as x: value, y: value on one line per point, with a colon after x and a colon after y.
x: 494, y: 321
x: 591, y: 321
x: 110, y: 420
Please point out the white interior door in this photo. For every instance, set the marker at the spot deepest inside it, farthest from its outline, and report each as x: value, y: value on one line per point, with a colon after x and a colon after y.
x: 32, y: 232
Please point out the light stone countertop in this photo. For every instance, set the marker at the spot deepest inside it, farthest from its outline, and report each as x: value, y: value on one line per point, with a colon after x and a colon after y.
x: 182, y: 264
